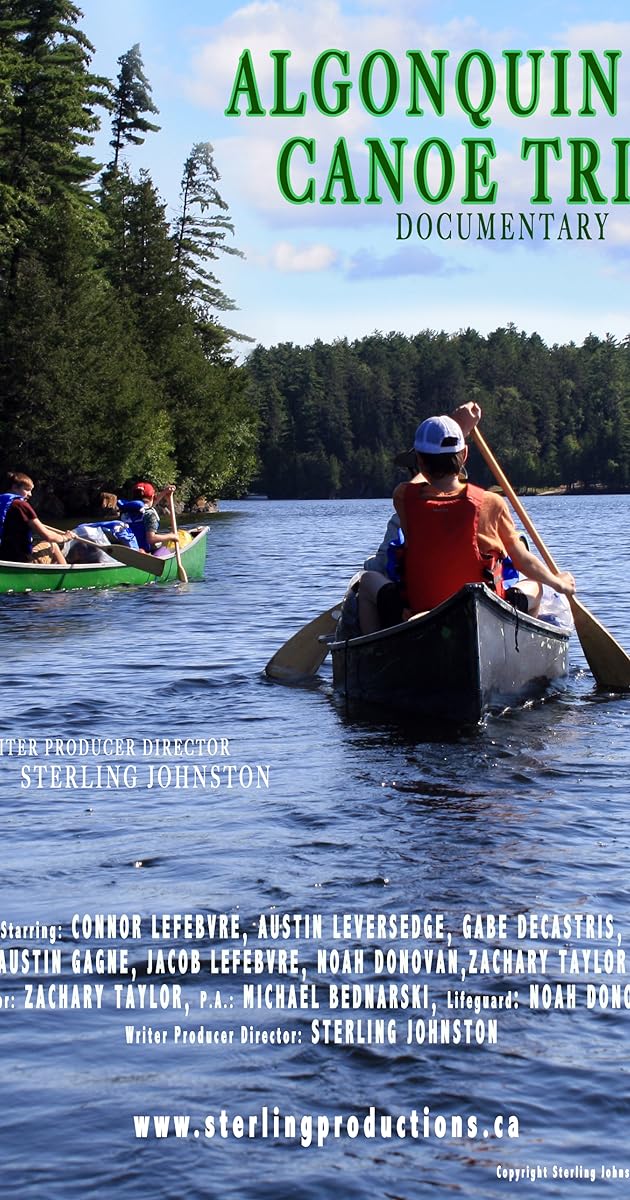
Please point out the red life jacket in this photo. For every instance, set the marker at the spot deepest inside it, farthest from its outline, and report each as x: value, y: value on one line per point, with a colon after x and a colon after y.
x: 441, y: 552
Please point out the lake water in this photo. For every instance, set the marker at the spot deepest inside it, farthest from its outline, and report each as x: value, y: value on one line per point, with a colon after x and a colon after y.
x: 528, y: 816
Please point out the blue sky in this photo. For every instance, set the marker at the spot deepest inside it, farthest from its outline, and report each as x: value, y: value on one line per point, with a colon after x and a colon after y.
x: 326, y: 271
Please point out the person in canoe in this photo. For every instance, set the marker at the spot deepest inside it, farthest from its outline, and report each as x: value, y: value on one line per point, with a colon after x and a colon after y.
x: 143, y: 518
x: 389, y: 557
x: 456, y: 533
x: 19, y: 523
x: 380, y: 601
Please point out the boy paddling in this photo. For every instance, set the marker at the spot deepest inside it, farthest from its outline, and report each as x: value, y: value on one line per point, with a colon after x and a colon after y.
x: 455, y: 533
x: 19, y: 522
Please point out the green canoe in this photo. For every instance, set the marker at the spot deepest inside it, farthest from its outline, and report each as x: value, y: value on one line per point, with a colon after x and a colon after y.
x: 27, y: 577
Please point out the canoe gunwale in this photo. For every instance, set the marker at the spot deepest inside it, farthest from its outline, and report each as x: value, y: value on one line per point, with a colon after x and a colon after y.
x: 510, y: 614
x: 472, y: 654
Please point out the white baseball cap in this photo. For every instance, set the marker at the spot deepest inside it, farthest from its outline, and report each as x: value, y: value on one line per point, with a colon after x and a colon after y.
x: 439, y: 435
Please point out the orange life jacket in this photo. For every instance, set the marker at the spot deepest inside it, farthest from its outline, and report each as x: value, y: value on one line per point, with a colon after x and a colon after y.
x: 441, y: 552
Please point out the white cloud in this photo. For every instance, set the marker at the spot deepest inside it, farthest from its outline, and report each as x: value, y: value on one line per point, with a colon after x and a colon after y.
x: 289, y: 258
x: 618, y: 231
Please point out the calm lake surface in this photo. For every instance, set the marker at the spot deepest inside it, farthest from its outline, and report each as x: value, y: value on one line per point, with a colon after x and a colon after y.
x: 529, y: 815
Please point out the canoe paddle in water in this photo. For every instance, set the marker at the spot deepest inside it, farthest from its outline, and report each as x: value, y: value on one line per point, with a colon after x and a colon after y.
x: 606, y: 658
x: 123, y: 554
x: 304, y: 653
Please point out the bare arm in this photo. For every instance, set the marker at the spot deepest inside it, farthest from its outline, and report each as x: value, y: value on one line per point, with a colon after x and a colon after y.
x: 468, y: 416
x: 37, y: 526
x: 534, y: 569
x: 157, y: 539
x: 153, y: 537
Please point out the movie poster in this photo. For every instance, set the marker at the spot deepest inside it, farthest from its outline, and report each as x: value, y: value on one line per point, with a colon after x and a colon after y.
x: 253, y: 945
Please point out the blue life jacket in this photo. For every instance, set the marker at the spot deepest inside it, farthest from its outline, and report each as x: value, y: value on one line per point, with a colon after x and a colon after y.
x: 133, y: 513
x: 120, y: 531
x: 395, y: 557
x: 6, y: 500
x: 509, y: 573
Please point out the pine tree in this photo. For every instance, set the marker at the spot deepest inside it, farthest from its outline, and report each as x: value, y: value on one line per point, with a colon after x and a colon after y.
x: 79, y: 397
x: 47, y: 103
x: 48, y: 99
x: 213, y: 427
x: 131, y: 99
x: 201, y: 233
x: 139, y: 249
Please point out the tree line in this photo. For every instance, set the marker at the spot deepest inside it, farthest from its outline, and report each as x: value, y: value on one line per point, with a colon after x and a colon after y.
x: 115, y: 360
x: 332, y: 416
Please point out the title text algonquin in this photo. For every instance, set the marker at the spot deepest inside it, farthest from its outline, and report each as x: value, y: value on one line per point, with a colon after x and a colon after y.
x: 479, y: 87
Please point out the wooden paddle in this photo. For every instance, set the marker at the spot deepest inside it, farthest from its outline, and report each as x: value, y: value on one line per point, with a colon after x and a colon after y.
x: 304, y: 653
x: 123, y: 554
x: 607, y: 659
x: 181, y: 573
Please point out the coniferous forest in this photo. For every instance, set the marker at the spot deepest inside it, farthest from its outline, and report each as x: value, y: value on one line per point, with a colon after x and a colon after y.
x: 114, y: 357
x: 116, y: 361
x: 332, y: 417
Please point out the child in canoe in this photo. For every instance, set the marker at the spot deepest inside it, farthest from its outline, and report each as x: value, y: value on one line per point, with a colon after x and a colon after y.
x: 455, y: 533
x: 19, y: 522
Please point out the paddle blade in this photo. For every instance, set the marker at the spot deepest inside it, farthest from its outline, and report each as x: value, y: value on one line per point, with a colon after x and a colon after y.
x: 303, y: 654
x: 606, y: 658
x: 135, y: 558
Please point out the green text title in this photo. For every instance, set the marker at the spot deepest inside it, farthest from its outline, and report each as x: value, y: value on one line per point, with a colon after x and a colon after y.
x: 478, y: 86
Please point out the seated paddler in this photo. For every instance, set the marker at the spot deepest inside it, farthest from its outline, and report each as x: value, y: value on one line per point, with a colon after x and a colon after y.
x: 457, y: 533
x: 379, y: 600
x: 19, y: 523
x: 142, y: 516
